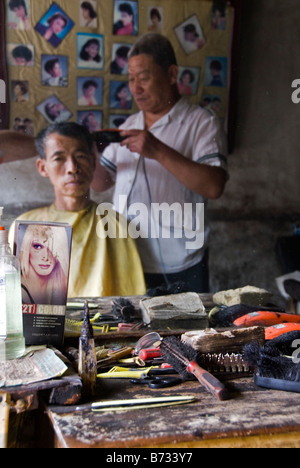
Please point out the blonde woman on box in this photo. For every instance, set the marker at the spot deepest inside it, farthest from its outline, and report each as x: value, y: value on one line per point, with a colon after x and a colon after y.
x: 44, y: 259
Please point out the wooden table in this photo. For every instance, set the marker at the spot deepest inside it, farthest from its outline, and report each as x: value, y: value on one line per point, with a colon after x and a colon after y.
x: 252, y: 417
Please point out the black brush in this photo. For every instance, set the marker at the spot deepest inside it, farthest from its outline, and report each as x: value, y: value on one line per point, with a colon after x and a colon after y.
x: 182, y: 358
x: 273, y: 368
x: 174, y: 288
x: 123, y: 310
x: 224, y: 316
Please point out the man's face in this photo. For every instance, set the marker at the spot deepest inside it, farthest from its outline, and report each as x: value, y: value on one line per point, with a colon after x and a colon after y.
x: 149, y: 84
x: 69, y: 165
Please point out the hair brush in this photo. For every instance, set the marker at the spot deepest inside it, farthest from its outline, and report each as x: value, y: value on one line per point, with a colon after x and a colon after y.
x: 182, y: 357
x: 276, y: 366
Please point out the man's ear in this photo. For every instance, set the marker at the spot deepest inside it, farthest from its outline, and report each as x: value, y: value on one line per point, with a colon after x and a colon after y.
x: 173, y: 74
x: 41, y: 167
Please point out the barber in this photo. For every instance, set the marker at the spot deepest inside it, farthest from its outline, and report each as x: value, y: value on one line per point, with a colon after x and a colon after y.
x: 172, y: 152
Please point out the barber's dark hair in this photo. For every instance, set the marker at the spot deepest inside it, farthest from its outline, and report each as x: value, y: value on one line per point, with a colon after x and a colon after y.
x: 158, y: 47
x: 67, y: 129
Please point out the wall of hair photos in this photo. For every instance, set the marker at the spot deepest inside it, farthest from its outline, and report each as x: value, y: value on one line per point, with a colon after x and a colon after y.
x: 67, y: 60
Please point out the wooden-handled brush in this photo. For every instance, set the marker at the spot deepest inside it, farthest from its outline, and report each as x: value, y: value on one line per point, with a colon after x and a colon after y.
x: 183, y: 358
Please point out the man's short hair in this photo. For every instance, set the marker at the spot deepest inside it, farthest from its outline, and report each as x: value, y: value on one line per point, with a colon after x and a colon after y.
x: 67, y: 129
x: 158, y: 47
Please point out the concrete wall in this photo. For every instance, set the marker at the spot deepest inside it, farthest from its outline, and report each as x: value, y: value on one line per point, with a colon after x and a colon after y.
x: 262, y: 198
x: 261, y: 201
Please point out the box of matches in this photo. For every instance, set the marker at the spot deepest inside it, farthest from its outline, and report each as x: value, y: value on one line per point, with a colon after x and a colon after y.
x: 183, y: 311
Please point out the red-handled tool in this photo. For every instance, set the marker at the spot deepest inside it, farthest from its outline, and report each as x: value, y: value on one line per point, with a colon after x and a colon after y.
x: 280, y: 329
x: 183, y: 359
x: 265, y: 319
x: 148, y: 354
x: 213, y: 385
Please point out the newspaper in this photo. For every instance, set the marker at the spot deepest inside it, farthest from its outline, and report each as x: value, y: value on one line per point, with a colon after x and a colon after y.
x: 37, y: 365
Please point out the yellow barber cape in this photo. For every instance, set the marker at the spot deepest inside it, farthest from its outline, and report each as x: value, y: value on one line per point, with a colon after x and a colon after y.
x: 100, y: 265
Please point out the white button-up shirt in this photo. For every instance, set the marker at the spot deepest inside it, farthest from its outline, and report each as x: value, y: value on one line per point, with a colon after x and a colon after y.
x: 166, y: 218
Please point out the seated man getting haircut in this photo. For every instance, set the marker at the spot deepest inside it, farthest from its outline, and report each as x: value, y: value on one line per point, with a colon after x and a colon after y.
x: 100, y: 265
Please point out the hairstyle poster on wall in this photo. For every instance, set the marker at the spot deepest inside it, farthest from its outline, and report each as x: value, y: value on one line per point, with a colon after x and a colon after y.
x: 68, y: 60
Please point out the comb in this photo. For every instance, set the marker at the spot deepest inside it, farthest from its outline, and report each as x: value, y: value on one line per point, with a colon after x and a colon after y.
x: 226, y: 366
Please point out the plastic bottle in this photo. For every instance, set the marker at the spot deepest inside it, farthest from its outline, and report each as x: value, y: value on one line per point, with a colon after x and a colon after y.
x: 12, y: 342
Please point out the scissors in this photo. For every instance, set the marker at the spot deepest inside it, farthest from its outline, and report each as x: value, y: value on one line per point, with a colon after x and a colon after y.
x: 157, y: 382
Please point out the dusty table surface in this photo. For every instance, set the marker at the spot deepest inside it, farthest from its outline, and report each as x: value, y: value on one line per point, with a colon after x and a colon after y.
x: 251, y: 416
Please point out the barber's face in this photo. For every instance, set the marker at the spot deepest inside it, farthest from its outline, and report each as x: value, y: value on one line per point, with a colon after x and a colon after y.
x: 69, y: 165
x: 149, y: 84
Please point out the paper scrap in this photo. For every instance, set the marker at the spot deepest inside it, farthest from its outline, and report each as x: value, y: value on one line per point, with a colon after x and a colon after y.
x: 35, y: 366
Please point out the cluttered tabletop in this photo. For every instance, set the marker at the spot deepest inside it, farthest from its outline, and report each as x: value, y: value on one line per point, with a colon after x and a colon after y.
x: 179, y: 370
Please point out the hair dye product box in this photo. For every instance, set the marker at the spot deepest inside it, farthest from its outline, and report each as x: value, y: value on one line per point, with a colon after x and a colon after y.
x: 43, y: 250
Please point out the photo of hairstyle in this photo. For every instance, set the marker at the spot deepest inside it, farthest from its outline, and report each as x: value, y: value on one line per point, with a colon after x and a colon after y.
x: 125, y: 18
x: 120, y: 95
x: 89, y: 91
x: 54, y: 70
x: 91, y: 120
x: 218, y: 15
x: 54, y: 25
x: 54, y: 110
x: 155, y: 20
x: 119, y: 63
x: 188, y: 80
x: 20, y: 54
x: 215, y: 72
x: 18, y: 15
x: 44, y: 260
x: 88, y: 14
x: 90, y: 51
x: 190, y: 35
x: 20, y: 91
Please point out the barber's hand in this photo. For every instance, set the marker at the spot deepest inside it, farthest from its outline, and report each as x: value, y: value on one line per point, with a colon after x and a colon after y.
x: 142, y: 142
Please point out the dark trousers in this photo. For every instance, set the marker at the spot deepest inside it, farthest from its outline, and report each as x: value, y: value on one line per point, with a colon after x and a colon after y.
x: 196, y: 277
